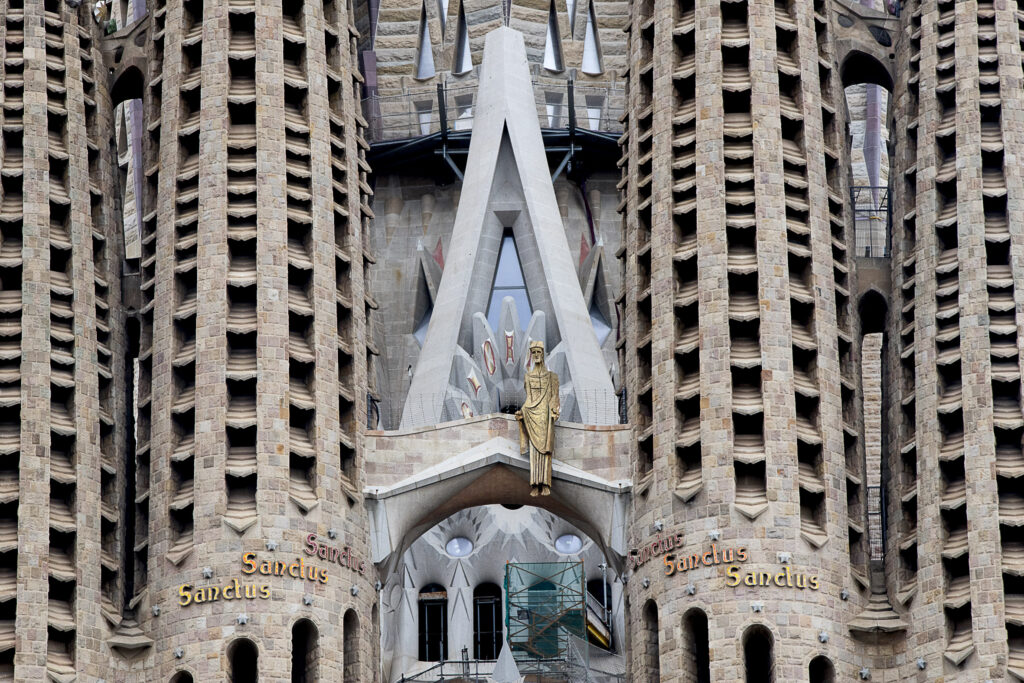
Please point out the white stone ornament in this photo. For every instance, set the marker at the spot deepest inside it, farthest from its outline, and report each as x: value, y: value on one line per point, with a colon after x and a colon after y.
x: 865, y: 674
x: 307, y: 600
x: 921, y: 664
x: 822, y: 637
x: 243, y: 619
x: 355, y: 590
x: 659, y: 525
x: 785, y: 557
x: 690, y: 589
x: 332, y: 533
x: 757, y: 606
x: 207, y: 573
x: 714, y: 535
x: 844, y: 594
x: 271, y: 545
x: 156, y: 610
x: 179, y: 652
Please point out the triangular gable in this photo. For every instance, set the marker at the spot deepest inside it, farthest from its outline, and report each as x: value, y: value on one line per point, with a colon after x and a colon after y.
x: 510, y: 183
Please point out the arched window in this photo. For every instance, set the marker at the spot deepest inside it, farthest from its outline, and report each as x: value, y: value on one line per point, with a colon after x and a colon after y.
x: 243, y: 661
x: 433, y: 623
x: 487, y: 629
x: 182, y: 677
x: 304, y: 652
x: 697, y: 660
x: 652, y: 658
x: 351, y: 647
x: 757, y: 655
x: 821, y: 670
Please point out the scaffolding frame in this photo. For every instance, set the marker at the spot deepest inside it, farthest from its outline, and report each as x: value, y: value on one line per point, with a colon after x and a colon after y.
x: 545, y: 608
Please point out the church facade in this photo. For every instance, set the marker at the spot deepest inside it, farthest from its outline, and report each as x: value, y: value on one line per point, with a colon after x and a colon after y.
x: 289, y: 289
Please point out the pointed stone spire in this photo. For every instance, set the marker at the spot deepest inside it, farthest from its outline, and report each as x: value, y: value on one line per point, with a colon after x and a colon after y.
x: 553, y: 42
x: 505, y: 669
x: 592, y: 63
x: 463, y: 57
x: 425, y: 51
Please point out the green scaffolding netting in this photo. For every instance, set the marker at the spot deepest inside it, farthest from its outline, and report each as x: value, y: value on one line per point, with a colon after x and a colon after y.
x: 545, y: 616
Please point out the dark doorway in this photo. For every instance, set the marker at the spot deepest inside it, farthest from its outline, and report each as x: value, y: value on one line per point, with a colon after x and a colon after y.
x: 652, y: 658
x: 243, y: 661
x: 487, y: 625
x: 695, y: 625
x: 350, y: 651
x: 433, y: 623
x: 304, y: 652
x: 821, y: 670
x: 757, y: 655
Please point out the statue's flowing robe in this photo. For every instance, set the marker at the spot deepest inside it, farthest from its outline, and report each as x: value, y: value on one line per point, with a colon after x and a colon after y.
x: 537, y: 435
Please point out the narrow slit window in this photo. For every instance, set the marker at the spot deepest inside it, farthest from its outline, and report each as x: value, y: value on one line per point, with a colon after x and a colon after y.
x: 508, y: 281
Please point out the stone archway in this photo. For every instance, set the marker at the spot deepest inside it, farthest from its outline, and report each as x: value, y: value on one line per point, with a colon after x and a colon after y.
x: 494, y: 472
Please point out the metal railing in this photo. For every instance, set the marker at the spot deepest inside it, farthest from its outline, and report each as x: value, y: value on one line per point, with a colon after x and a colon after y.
x: 465, y: 669
x: 872, y: 215
x: 420, y: 112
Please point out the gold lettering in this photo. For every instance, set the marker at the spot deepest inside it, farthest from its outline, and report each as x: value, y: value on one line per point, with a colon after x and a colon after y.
x: 764, y: 579
x: 814, y: 583
x: 249, y: 563
x: 265, y: 567
x: 750, y: 580
x: 250, y: 590
x: 323, y: 576
x: 741, y: 555
x: 780, y: 579
x: 706, y: 559
x: 801, y: 581
x: 200, y: 596
x: 265, y: 592
x: 732, y: 576
x: 670, y: 565
x: 184, y: 595
x: 214, y: 593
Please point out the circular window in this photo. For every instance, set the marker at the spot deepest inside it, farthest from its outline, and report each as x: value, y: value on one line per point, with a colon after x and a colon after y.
x: 459, y: 547
x: 569, y: 544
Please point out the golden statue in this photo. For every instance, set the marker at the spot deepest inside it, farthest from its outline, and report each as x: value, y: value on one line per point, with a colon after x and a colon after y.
x: 537, y: 420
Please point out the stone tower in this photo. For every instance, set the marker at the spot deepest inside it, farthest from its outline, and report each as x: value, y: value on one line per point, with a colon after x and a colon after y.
x: 252, y: 352
x: 767, y: 412
x: 955, y: 441
x: 740, y: 354
x: 62, y: 354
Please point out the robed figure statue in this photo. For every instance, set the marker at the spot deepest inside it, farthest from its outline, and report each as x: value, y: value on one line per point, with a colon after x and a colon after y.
x: 537, y: 420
